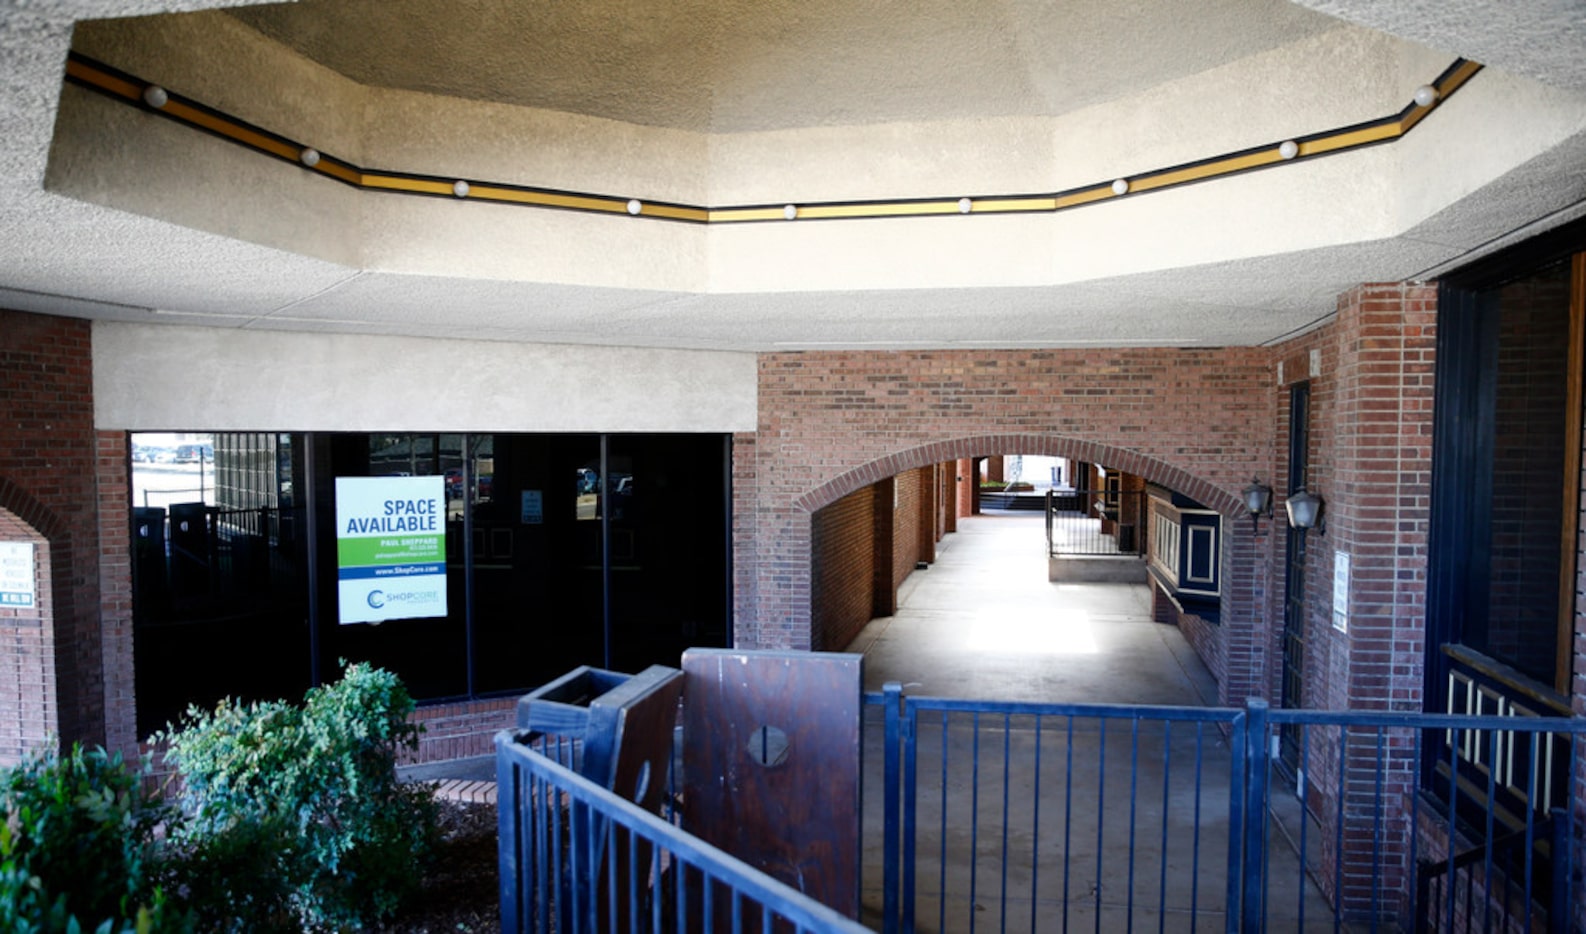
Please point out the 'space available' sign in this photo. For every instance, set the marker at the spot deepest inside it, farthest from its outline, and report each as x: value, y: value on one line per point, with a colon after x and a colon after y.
x: 391, y: 547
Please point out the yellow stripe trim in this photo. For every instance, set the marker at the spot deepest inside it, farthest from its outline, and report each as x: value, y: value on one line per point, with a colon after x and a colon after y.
x: 739, y: 215
x: 132, y: 91
x: 335, y: 170
x: 674, y: 212
x: 1013, y: 205
x: 413, y: 185
x: 1087, y: 196
x: 103, y: 81
x: 229, y: 129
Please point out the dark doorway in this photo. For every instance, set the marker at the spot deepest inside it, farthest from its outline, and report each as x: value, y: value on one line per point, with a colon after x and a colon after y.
x: 1294, y: 573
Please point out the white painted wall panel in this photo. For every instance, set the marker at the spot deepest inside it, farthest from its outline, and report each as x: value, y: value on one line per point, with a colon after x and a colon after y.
x: 155, y: 377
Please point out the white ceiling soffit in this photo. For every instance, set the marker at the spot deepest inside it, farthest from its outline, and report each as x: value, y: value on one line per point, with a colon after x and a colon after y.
x: 729, y: 66
x: 66, y: 254
x: 1540, y: 39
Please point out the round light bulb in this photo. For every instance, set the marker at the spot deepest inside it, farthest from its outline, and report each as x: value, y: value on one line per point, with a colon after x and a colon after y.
x: 460, y: 188
x: 155, y: 96
x: 1288, y: 149
x: 964, y: 205
x: 309, y: 157
x: 790, y: 212
x: 1426, y: 95
x: 634, y: 207
x: 1120, y: 187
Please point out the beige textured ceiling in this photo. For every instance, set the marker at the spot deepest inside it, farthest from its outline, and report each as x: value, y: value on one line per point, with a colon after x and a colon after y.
x: 737, y: 65
x: 820, y: 99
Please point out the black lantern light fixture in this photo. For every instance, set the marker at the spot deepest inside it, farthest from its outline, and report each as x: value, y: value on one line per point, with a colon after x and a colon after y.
x: 1305, y: 511
x: 1258, y: 500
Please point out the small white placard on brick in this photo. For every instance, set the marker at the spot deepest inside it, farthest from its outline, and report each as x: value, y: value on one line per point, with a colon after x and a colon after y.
x: 17, y: 590
x: 1341, y: 591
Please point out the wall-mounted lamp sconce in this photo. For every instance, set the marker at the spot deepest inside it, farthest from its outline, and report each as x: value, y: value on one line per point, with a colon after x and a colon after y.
x: 1305, y: 511
x: 1258, y: 500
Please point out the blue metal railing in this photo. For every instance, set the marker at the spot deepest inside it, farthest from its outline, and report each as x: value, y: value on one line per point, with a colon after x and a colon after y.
x: 578, y: 858
x: 1016, y: 816
x: 1449, y: 855
x: 1060, y: 815
x: 1047, y: 817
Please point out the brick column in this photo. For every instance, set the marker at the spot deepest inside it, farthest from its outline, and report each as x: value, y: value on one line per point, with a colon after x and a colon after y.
x: 1371, y: 376
x: 49, y: 479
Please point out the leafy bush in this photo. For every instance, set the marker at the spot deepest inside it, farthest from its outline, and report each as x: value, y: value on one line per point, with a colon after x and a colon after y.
x: 77, y: 849
x: 295, y: 818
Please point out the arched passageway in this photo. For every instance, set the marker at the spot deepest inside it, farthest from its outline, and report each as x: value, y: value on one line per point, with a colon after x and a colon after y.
x: 983, y: 622
x: 908, y: 570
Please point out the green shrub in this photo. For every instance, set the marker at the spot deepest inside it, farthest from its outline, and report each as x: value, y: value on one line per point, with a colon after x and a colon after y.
x: 295, y: 818
x: 77, y: 848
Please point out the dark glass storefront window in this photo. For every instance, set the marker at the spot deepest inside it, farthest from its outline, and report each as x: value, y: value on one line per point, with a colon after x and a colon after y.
x: 560, y: 550
x: 220, y: 570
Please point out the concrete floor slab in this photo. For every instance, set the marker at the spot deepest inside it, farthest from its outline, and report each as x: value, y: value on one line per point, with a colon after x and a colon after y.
x: 1057, y: 821
x: 984, y: 622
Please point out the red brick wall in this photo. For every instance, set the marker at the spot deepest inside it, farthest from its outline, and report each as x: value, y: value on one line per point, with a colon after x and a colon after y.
x: 466, y: 728
x: 1370, y: 461
x: 48, y: 479
x: 906, y: 526
x: 115, y: 591
x: 949, y: 498
x: 834, y: 422
x: 29, y: 714
x: 968, y: 483
x: 841, y: 569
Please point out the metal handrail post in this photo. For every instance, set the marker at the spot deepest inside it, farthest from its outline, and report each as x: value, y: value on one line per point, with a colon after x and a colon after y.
x: 892, y: 694
x: 1257, y: 760
x: 1237, y: 729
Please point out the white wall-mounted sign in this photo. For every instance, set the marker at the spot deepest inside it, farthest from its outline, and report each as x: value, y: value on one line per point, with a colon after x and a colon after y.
x: 390, y: 548
x: 1341, y: 591
x: 17, y: 590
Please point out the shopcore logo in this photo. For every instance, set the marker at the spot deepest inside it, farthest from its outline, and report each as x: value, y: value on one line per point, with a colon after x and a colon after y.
x: 379, y: 598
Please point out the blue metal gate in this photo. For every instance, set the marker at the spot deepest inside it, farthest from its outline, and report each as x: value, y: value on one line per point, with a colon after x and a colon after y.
x: 1059, y: 817
x: 1019, y: 816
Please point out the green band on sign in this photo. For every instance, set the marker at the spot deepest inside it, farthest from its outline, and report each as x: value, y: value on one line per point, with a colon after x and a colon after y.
x: 363, y: 552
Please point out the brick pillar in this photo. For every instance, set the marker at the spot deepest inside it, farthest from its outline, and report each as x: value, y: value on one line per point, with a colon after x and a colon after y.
x: 115, y: 593
x: 884, y: 590
x: 1371, y: 379
x: 968, y: 486
x: 49, y: 479
x: 994, y: 468
x: 927, y: 515
x: 946, y: 500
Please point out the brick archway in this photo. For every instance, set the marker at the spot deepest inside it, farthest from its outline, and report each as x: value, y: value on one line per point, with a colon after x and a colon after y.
x: 1237, y: 638
x: 29, y: 703
x: 832, y: 422
x: 1174, y: 478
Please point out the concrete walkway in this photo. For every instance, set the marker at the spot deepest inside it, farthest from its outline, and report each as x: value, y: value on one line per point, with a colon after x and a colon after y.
x: 983, y: 622
x: 1058, y: 822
